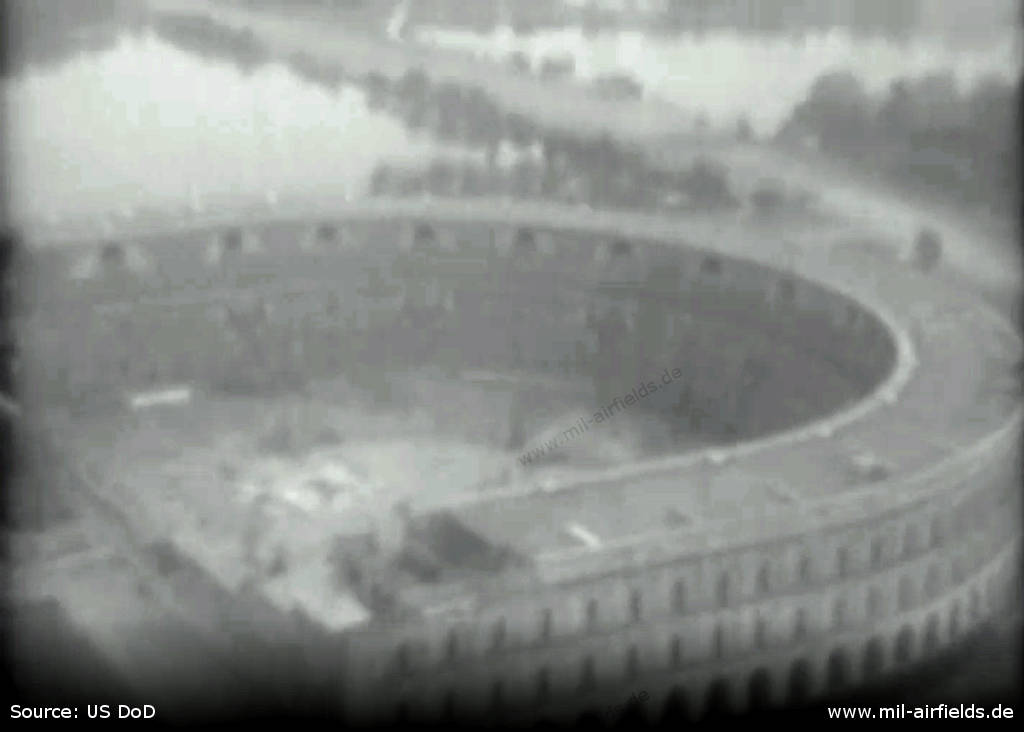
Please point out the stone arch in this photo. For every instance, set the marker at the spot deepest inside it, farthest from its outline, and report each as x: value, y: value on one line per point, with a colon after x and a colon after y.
x: 718, y: 699
x: 837, y: 673
x: 759, y: 689
x: 931, y: 634
x: 800, y: 684
x: 873, y: 663
x: 903, y: 649
x: 677, y: 706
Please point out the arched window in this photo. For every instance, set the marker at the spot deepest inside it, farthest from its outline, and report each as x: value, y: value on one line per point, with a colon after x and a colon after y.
x: 764, y: 578
x: 675, y: 651
x: 907, y: 596
x: 911, y: 541
x: 525, y: 242
x: 402, y: 658
x: 932, y: 582
x: 636, y: 606
x: 839, y: 612
x: 711, y: 266
x: 874, y: 602
x: 112, y: 254
x: 452, y: 646
x: 622, y: 248
x: 877, y: 553
x: 760, y: 633
x: 805, y: 570
x: 724, y: 590
x: 498, y: 634
x: 679, y: 596
x: 843, y: 562
x: 326, y: 232
x: 591, y: 614
x: 800, y: 624
x: 546, y: 621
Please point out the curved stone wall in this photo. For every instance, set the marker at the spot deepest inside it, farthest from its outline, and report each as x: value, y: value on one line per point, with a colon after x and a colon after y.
x: 845, y: 589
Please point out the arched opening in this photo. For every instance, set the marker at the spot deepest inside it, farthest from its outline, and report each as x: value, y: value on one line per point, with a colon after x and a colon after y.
x: 679, y: 596
x: 622, y: 248
x: 232, y: 240
x: 711, y: 266
x: 805, y: 571
x: 677, y: 706
x: 800, y: 682
x: 424, y: 235
x: 875, y: 602
x: 498, y: 633
x: 591, y: 614
x: 112, y: 255
x: 874, y: 659
x: 938, y: 533
x: 525, y: 242
x: 932, y: 582
x: 904, y: 648
x: 452, y: 645
x: 954, y: 621
x: 931, y: 634
x: 718, y: 700
x: 764, y: 578
x: 635, y: 606
x: 718, y: 642
x: 675, y: 651
x: 546, y: 621
x: 843, y: 562
x: 800, y: 624
x: 907, y: 596
x: 327, y: 232
x: 724, y: 590
x: 838, y: 672
x: 839, y: 612
x: 877, y: 552
x: 786, y: 291
x: 760, y: 633
x: 975, y: 607
x: 760, y: 690
x: 911, y: 541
